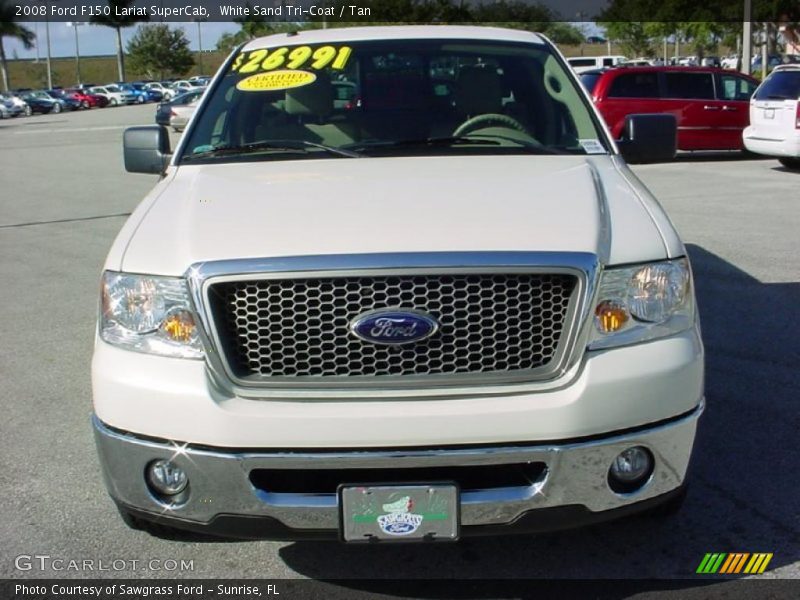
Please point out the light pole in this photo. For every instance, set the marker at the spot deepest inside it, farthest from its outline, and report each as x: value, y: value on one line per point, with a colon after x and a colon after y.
x: 75, y: 25
x: 199, y: 20
x: 49, y: 67
x: 747, y: 37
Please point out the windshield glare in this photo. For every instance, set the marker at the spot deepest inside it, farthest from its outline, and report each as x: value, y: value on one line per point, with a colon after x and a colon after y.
x: 394, y: 97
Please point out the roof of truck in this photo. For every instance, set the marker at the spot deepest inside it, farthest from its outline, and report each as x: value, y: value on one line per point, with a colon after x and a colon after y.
x: 405, y: 32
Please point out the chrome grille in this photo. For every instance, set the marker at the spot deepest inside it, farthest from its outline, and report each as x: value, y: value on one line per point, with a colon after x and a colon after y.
x: 299, y: 328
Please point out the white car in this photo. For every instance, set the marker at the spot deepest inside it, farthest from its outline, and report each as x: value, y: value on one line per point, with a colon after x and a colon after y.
x: 115, y: 95
x: 182, y: 108
x: 580, y: 64
x: 775, y: 117
x: 449, y: 308
x: 166, y: 92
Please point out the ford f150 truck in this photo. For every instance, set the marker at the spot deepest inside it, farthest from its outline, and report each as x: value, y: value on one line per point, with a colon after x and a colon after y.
x: 439, y: 306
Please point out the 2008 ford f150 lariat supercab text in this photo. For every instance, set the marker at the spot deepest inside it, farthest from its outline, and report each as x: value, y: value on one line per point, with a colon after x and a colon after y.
x: 396, y: 284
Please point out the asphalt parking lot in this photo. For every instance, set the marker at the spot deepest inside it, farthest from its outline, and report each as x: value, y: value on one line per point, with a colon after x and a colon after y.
x: 64, y: 197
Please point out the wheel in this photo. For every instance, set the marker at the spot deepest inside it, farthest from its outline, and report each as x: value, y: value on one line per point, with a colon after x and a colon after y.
x: 790, y: 163
x: 57, y: 108
x: 483, y: 120
x: 28, y: 111
x: 140, y: 100
x: 113, y: 102
x: 85, y: 104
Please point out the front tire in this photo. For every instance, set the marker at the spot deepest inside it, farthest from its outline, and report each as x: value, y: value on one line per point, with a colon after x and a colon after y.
x: 85, y: 105
x: 113, y: 102
x: 790, y: 163
x: 56, y: 108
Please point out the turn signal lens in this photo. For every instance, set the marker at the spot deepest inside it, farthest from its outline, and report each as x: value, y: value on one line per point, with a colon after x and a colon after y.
x: 179, y: 326
x: 611, y: 316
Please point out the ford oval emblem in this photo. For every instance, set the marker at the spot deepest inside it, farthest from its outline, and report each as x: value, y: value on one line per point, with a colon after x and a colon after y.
x: 393, y: 327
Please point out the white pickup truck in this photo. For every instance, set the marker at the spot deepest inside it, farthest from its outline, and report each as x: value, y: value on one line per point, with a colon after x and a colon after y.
x: 442, y: 306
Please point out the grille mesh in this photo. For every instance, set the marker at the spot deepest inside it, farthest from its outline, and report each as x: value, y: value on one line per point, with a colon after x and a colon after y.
x: 299, y: 328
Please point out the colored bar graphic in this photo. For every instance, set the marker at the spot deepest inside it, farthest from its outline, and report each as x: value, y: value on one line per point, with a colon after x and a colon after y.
x: 732, y: 563
x: 758, y: 564
x: 711, y: 563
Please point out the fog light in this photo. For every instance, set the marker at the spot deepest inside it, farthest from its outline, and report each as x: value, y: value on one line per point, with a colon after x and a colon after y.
x: 166, y: 478
x: 630, y: 470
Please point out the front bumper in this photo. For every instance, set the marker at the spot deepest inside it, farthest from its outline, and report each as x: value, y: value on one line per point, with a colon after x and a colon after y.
x: 572, y: 490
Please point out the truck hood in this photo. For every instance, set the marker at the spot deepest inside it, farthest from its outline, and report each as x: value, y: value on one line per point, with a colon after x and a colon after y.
x: 382, y: 205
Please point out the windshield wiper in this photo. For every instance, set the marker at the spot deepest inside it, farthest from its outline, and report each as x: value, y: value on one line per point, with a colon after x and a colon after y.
x: 467, y: 140
x: 779, y: 97
x: 423, y: 142
x: 293, y: 145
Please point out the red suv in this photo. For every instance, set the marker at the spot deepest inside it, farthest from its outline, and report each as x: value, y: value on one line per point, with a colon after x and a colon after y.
x: 711, y: 105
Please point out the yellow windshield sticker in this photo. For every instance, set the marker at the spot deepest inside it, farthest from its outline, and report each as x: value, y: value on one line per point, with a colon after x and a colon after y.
x: 276, y: 80
x: 292, y: 58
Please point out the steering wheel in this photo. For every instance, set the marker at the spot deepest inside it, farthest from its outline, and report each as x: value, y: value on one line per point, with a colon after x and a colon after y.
x: 480, y: 121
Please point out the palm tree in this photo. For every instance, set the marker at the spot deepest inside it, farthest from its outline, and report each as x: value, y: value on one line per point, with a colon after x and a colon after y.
x: 117, y: 19
x: 13, y: 30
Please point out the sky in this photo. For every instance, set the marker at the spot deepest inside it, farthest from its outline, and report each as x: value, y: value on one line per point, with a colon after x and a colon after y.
x: 97, y: 40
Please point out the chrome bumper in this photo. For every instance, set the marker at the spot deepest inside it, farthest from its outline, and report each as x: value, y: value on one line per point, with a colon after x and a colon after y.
x: 576, y: 475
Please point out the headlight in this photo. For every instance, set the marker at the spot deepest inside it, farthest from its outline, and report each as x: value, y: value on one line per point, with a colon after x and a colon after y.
x: 644, y: 302
x: 149, y: 314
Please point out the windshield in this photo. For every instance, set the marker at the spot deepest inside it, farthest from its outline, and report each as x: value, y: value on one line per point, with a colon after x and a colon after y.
x: 393, y: 98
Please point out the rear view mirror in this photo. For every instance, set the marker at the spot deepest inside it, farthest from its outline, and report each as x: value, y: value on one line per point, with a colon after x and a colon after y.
x: 146, y: 149
x: 649, y: 138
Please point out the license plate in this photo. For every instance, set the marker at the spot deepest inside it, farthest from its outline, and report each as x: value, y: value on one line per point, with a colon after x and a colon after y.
x: 769, y: 113
x: 399, y: 512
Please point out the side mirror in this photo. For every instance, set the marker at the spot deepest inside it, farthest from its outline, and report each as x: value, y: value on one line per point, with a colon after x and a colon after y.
x: 649, y: 138
x: 146, y: 149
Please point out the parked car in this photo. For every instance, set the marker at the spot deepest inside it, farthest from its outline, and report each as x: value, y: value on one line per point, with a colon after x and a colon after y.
x: 66, y: 101
x: 115, y: 95
x: 490, y: 327
x: 730, y: 62
x: 710, y: 105
x: 185, y: 103
x: 5, y: 110
x: 16, y: 106
x: 182, y: 108
x: 88, y: 100
x: 167, y: 93
x: 182, y: 86
x: 775, y: 117
x: 200, y: 80
x: 140, y: 95
x: 151, y: 94
x: 773, y: 60
x: 581, y: 64
x: 41, y: 104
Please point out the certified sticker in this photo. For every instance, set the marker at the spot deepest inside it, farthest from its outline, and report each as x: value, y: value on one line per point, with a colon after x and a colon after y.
x: 276, y: 80
x: 592, y: 146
